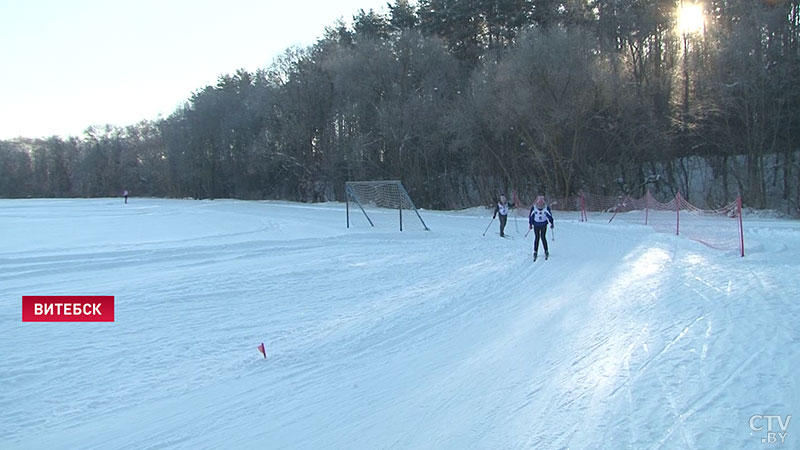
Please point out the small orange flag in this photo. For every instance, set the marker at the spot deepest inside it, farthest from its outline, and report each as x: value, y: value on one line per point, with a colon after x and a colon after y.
x: 261, y: 349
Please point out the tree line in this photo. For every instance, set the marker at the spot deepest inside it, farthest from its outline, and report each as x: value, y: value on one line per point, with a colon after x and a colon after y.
x: 463, y: 99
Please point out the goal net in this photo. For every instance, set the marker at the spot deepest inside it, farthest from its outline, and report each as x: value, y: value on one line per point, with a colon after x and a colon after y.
x: 383, y: 201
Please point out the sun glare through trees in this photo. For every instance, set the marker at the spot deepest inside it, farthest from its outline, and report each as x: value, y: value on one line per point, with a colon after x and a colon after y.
x: 690, y: 18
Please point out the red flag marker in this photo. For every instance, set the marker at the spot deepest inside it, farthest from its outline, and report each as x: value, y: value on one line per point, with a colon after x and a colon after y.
x: 261, y: 349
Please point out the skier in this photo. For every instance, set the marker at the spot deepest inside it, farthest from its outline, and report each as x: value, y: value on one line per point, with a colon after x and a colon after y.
x: 502, y: 209
x: 537, y: 220
x: 125, y: 195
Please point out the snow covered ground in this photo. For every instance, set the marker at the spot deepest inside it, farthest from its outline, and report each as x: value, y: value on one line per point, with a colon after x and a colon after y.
x: 378, y: 339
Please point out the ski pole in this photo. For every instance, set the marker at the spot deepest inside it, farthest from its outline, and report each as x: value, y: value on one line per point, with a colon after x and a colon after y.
x: 526, y: 234
x: 487, y: 226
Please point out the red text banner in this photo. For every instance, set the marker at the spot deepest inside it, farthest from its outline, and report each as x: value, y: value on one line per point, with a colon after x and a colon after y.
x: 68, y: 308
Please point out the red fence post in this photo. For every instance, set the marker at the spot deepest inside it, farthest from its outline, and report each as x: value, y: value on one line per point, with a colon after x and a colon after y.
x: 678, y: 213
x: 741, y: 228
x: 584, y: 217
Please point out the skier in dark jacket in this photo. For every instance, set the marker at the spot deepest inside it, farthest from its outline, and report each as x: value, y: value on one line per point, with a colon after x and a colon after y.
x: 502, y: 209
x: 537, y: 220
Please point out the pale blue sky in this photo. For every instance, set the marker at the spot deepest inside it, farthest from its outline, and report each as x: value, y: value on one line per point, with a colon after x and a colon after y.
x: 69, y: 64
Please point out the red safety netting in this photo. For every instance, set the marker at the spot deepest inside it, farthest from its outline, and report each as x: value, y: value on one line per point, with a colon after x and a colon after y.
x: 717, y: 228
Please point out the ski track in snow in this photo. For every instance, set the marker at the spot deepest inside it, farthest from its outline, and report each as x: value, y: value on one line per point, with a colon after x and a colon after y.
x: 625, y: 338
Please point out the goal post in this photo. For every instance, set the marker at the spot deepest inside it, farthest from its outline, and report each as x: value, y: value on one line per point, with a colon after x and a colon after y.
x: 381, y: 194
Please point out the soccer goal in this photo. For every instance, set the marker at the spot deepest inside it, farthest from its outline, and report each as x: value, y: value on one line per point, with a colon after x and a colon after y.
x: 385, y: 195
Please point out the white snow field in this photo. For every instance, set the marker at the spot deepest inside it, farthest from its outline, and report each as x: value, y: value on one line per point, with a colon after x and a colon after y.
x: 377, y: 339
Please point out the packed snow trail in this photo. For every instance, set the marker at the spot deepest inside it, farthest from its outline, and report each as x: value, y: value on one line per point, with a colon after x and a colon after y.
x: 379, y: 339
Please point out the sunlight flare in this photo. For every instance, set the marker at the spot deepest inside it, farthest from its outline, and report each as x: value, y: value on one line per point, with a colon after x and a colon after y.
x: 690, y: 18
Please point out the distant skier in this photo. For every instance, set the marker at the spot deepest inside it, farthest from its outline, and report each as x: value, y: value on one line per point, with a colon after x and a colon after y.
x: 502, y: 209
x: 125, y: 196
x: 537, y: 220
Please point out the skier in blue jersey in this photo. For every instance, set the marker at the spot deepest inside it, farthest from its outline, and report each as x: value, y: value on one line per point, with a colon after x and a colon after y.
x: 537, y: 220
